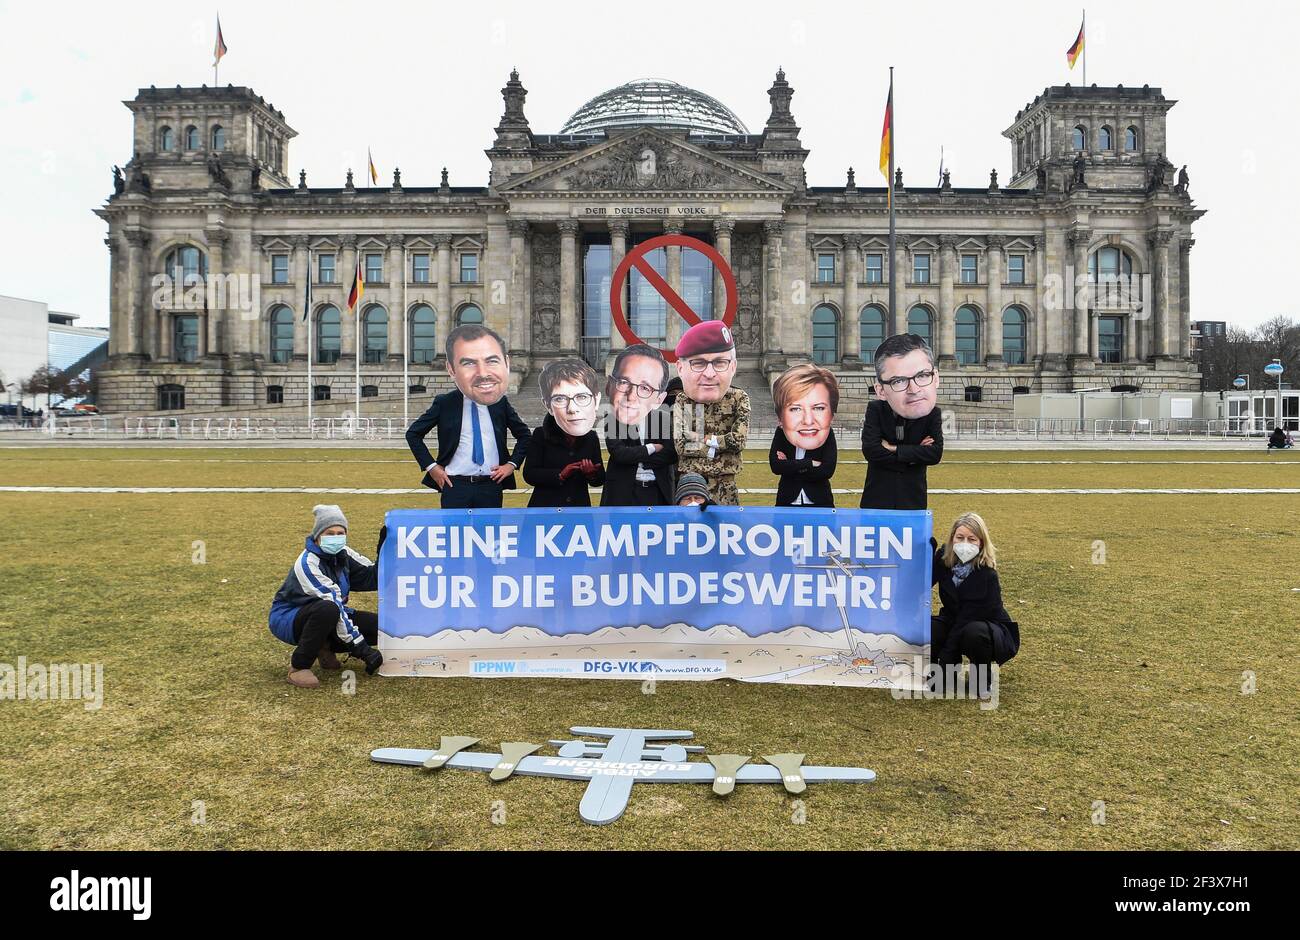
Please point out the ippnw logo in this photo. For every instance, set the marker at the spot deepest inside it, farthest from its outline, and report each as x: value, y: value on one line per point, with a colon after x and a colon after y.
x: 76, y: 893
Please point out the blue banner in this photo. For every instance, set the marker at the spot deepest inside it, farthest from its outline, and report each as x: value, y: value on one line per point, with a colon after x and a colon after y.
x: 761, y: 593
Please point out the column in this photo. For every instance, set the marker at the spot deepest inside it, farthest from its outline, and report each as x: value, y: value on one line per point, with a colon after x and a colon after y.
x: 722, y: 230
x: 137, y: 241
x: 617, y: 252
x: 348, y: 318
x: 396, y: 292
x: 116, y: 304
x: 947, y: 322
x: 1079, y: 294
x: 1040, y: 312
x: 674, y: 325
x: 1159, y: 242
x: 899, y: 272
x: 302, y: 272
x: 568, y: 287
x: 443, y: 312
x: 993, y: 315
x: 220, y: 334
x: 1185, y: 297
x: 852, y: 345
x: 519, y: 324
x: 772, y: 288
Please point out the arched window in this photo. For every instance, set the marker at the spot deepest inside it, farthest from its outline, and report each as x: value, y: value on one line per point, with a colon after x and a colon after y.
x: 171, y: 397
x: 968, y: 336
x: 825, y: 335
x: 191, y: 138
x: 1109, y: 262
x: 218, y: 137
x: 921, y: 323
x: 1131, y: 139
x: 375, y: 334
x: 1079, y: 138
x: 1013, y: 336
x: 871, y: 331
x: 1107, y: 138
x: 328, y: 335
x: 166, y: 140
x: 186, y: 266
x: 424, y: 340
x: 281, y: 334
x: 469, y: 314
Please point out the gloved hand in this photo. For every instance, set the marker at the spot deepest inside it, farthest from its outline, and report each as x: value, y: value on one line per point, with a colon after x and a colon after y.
x: 368, y: 655
x: 570, y: 469
x: 588, y: 468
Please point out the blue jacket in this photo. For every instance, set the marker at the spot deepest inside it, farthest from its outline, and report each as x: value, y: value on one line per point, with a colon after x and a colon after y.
x: 319, y: 576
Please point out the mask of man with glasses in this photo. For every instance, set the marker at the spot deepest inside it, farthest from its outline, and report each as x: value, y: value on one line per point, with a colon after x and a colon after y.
x: 638, y: 431
x: 902, y: 432
x: 710, y: 418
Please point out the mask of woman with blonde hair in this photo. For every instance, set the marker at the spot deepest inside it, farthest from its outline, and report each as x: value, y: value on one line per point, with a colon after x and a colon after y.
x: 972, y: 622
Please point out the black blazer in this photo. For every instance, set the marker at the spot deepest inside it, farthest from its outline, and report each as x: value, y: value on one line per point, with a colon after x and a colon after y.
x: 897, y: 480
x: 799, y: 475
x: 445, y: 414
x: 626, y: 450
x: 549, y: 452
x: 979, y: 597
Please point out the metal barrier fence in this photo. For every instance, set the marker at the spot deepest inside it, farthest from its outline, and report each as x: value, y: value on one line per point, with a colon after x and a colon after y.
x: 296, y: 427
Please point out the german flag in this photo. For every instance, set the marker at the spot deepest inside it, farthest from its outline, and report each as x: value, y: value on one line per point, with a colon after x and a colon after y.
x: 219, y: 47
x: 887, y: 135
x: 1076, y: 49
x: 358, y: 285
x: 374, y: 174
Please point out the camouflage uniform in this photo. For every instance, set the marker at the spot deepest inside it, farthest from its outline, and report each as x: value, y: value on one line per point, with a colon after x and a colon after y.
x: 728, y: 418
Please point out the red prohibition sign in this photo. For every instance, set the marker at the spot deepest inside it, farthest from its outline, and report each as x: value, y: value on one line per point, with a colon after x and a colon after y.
x: 637, y: 257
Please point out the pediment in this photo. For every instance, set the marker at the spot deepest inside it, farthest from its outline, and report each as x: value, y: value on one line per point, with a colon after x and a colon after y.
x: 644, y: 162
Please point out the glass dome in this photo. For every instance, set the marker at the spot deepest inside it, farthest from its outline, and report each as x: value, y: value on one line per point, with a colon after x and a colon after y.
x: 654, y: 102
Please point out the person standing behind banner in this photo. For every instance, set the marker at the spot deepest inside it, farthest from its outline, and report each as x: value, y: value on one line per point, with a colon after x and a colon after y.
x: 638, y: 432
x: 472, y: 423
x: 710, y: 418
x: 564, y: 453
x: 902, y: 432
x: 803, y: 451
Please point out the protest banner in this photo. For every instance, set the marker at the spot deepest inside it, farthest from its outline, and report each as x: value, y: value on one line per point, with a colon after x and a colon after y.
x: 817, y: 596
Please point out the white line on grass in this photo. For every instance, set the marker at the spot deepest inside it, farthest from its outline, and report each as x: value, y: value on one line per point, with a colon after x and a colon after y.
x: 397, y: 491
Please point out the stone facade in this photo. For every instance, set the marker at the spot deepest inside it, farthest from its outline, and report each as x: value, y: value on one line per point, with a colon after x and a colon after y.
x: 1091, y: 190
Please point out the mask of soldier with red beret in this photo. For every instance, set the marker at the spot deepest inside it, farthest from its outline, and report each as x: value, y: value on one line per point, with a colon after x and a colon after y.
x: 706, y: 361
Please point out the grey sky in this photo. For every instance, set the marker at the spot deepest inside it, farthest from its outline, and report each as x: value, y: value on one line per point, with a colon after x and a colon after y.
x: 420, y: 84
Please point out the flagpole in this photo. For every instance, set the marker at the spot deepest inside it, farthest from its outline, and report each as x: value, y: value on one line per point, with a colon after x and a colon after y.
x: 1085, y: 48
x: 406, y: 351
x: 889, y: 190
x: 311, y: 389
x: 356, y: 320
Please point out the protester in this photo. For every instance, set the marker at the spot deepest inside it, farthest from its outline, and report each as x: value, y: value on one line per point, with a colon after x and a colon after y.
x: 311, y: 608
x: 972, y: 621
x: 803, y: 451
x: 472, y: 423
x: 710, y: 418
x: 1279, y: 439
x: 638, y: 431
x: 564, y: 453
x: 692, y: 490
x: 902, y: 432
x: 674, y: 389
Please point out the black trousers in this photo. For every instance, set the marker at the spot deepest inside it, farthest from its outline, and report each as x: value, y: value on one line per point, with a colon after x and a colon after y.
x: 315, y: 627
x: 463, y: 495
x: 980, y: 641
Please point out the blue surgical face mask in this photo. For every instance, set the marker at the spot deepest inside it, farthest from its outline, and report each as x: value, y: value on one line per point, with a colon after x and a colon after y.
x: 333, y: 544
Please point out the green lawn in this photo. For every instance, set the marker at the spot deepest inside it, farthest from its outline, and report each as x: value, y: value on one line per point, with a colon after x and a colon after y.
x: 1128, y: 688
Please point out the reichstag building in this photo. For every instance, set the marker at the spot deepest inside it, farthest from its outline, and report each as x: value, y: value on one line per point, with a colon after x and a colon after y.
x: 1071, y: 273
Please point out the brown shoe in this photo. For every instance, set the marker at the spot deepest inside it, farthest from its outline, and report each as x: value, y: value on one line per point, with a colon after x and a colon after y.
x: 303, y: 678
x: 327, y: 659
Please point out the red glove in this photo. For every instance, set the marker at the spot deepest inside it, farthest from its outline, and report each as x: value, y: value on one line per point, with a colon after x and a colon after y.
x: 570, y: 468
x: 588, y: 468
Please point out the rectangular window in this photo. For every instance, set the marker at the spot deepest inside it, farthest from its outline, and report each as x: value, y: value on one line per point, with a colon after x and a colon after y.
x: 469, y: 268
x: 374, y: 268
x: 279, y: 269
x: 921, y: 268
x: 275, y: 394
x: 875, y: 269
x: 185, y: 339
x: 825, y: 269
x: 325, y: 269
x: 970, y: 269
x: 420, y: 269
x: 1110, y: 339
x: 1015, y: 269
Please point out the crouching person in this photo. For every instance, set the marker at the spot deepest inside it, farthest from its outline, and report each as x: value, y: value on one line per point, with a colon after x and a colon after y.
x: 311, y: 608
x: 972, y: 622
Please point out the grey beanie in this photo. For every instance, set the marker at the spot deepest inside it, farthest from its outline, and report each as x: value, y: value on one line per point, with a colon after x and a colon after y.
x: 327, y: 516
x: 692, y: 484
